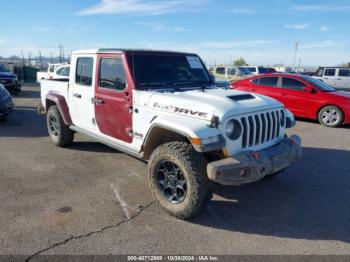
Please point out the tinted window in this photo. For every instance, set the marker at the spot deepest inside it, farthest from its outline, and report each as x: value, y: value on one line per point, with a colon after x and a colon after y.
x: 220, y: 70
x: 112, y: 74
x: 67, y: 71
x: 244, y: 71
x: 319, y: 72
x: 329, y: 72
x: 344, y: 72
x: 84, y: 71
x: 266, y: 81
x: 52, y: 68
x: 263, y: 70
x: 60, y: 71
x: 291, y: 83
x: 232, y: 71
x: 251, y: 69
x: 2, y: 68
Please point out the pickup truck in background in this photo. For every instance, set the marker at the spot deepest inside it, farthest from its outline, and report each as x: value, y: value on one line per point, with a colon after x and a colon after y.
x: 50, y: 73
x: 338, y: 77
x: 163, y: 108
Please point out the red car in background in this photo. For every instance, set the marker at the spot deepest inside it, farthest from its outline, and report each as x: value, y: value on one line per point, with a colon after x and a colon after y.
x: 305, y: 96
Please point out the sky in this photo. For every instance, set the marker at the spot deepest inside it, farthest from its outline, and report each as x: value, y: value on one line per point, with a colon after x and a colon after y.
x: 260, y: 31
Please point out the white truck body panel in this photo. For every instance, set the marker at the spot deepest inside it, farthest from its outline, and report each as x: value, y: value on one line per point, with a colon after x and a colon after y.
x: 186, y: 112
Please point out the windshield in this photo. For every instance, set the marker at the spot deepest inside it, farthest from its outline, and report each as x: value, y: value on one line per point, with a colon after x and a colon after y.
x: 2, y: 68
x: 164, y: 70
x: 321, y: 85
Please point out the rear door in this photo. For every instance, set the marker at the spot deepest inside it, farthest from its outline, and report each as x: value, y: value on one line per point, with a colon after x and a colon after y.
x: 113, y: 97
x: 267, y: 85
x: 81, y: 91
x: 329, y: 76
x: 343, y: 79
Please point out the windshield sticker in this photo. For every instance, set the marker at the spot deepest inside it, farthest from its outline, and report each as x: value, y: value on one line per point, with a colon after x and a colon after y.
x: 194, y: 62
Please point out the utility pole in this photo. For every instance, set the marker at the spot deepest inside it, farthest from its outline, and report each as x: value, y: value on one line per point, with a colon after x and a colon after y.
x: 299, y: 64
x: 295, y: 53
x: 41, y: 60
x: 29, y: 59
x: 60, y: 55
x: 63, y: 58
x: 23, y: 60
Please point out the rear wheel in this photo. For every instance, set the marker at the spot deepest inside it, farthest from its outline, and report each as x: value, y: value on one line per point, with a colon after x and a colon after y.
x: 59, y: 132
x: 330, y: 116
x: 178, y: 180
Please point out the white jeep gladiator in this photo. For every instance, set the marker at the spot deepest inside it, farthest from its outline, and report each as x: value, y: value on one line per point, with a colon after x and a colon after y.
x: 164, y: 108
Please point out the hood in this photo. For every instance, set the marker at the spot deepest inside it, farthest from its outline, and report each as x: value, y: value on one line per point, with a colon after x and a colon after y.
x: 341, y: 93
x: 205, y: 104
x: 7, y: 75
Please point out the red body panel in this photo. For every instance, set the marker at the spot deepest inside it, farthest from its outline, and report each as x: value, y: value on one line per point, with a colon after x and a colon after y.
x: 114, y: 114
x: 61, y: 103
x: 301, y: 103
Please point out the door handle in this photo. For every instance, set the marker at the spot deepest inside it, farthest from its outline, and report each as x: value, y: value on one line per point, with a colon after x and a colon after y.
x: 77, y: 95
x: 99, y: 101
x: 253, y: 90
x: 326, y: 78
x: 338, y: 78
x: 284, y: 94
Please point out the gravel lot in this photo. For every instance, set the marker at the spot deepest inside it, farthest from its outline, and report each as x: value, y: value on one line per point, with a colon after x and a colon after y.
x: 90, y: 199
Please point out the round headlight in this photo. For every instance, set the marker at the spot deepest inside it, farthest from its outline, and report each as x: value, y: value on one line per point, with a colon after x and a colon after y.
x: 233, y: 129
x: 283, y: 118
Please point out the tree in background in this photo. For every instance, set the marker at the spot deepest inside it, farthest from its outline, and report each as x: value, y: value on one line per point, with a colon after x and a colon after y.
x: 345, y: 64
x: 240, y: 62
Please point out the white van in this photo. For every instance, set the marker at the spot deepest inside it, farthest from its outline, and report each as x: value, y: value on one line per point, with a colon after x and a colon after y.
x: 338, y: 77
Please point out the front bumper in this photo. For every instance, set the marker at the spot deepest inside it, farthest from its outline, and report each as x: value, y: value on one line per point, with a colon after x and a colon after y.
x: 252, y: 166
x: 6, y: 108
x: 13, y: 87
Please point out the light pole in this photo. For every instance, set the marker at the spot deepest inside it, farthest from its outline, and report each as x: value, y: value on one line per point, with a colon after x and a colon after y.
x: 295, y: 53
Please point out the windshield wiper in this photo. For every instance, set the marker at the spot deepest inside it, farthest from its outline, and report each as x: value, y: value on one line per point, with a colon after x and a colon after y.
x: 182, y: 83
x: 153, y: 84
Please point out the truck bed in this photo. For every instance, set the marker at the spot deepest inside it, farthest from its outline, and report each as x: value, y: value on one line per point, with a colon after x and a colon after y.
x: 56, y: 86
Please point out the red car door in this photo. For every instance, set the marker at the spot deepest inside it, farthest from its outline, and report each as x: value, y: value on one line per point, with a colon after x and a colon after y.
x: 298, y: 97
x: 113, y: 101
x: 267, y: 85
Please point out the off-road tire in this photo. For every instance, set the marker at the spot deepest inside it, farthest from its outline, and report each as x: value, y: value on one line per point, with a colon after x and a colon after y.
x: 193, y: 167
x: 330, y: 109
x: 63, y: 136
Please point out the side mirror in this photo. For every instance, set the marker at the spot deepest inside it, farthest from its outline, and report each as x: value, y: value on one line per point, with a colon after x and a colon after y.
x: 309, y: 89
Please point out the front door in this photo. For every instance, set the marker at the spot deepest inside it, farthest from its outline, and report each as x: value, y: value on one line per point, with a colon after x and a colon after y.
x: 329, y: 76
x: 113, y: 97
x: 296, y: 99
x: 81, y: 92
x: 343, y: 79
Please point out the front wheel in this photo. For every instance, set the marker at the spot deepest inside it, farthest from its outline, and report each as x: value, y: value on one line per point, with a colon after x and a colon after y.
x: 330, y: 116
x: 59, y: 132
x: 178, y: 180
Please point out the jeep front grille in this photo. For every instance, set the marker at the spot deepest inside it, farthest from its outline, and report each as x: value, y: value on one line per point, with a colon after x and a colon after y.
x: 261, y: 128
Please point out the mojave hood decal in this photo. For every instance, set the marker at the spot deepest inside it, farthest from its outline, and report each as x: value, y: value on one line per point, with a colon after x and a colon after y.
x: 180, y: 110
